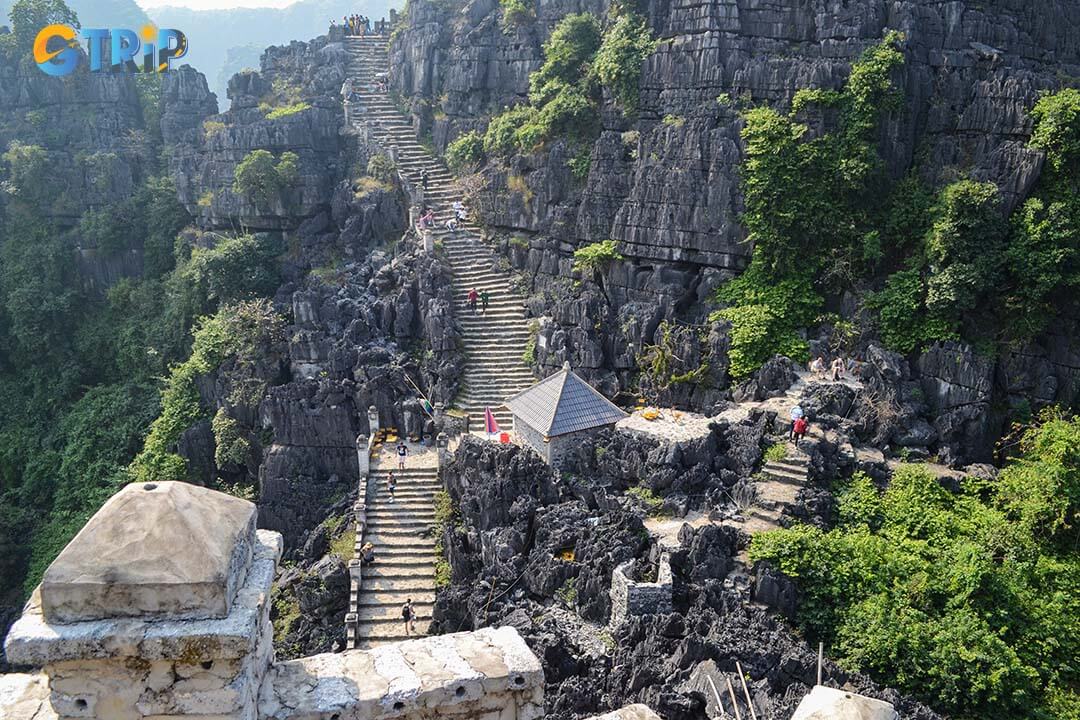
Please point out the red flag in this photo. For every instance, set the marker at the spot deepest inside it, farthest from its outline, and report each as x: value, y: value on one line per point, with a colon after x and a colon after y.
x: 490, y: 426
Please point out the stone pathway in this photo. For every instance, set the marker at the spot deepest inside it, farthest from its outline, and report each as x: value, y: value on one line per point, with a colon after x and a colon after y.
x: 402, y: 533
x: 494, y: 342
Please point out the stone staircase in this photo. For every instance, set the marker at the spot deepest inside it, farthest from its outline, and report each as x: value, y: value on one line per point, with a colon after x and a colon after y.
x: 494, y: 342
x: 404, y: 566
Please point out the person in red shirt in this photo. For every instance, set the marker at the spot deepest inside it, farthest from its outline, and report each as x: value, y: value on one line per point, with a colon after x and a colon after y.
x: 473, y: 295
x: 800, y: 428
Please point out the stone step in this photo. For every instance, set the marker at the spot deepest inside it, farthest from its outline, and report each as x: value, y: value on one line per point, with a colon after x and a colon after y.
x: 789, y: 465
x: 483, y: 383
x: 466, y: 272
x: 388, y: 629
x: 400, y: 562
x: 510, y: 362
x: 495, y: 319
x: 514, y: 338
x: 404, y: 551
x: 392, y: 598
x: 429, y: 486
x: 391, y: 511
x: 404, y: 527
x: 393, y: 612
x: 785, y: 476
x: 405, y: 496
x: 413, y: 476
x: 402, y: 531
x: 377, y: 571
x: 369, y: 637
x: 776, y: 496
x: 414, y: 541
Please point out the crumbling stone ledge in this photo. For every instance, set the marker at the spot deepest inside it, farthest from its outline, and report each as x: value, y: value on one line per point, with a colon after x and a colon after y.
x: 487, y: 673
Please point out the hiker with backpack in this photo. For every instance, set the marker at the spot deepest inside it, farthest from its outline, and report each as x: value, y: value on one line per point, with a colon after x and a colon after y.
x: 473, y: 296
x: 408, y: 614
x: 391, y: 485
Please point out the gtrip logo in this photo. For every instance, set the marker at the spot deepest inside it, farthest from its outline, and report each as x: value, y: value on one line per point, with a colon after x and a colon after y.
x: 56, y: 49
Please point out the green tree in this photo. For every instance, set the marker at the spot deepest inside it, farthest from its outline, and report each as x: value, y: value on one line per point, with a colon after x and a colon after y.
x: 29, y: 16
x: 259, y: 178
x: 965, y: 248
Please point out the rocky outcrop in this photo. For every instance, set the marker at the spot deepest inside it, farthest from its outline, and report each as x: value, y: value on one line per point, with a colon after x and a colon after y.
x: 665, y: 183
x: 291, y: 105
x: 186, y: 101
x: 526, y: 549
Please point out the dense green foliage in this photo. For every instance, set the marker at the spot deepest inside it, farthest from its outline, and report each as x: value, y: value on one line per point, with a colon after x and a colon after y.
x: 235, y: 331
x: 29, y: 16
x: 618, y: 61
x: 564, y: 93
x: 765, y: 317
x: 81, y: 364
x: 262, y: 180
x: 966, y: 600
x: 971, y: 274
x: 596, y: 256
x: 809, y: 205
x: 465, y: 152
x: 517, y: 12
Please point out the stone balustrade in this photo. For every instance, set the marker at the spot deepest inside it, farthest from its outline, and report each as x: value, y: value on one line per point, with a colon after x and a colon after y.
x: 159, y: 610
x: 489, y: 674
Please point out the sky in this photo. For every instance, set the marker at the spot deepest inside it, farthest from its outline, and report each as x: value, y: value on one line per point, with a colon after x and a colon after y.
x: 213, y: 4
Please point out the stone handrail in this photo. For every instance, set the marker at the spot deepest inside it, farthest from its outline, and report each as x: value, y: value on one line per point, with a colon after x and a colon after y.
x: 364, y: 444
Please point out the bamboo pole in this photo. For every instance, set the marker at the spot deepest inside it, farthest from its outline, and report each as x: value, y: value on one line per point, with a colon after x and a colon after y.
x: 820, y: 657
x: 746, y: 691
x: 734, y: 700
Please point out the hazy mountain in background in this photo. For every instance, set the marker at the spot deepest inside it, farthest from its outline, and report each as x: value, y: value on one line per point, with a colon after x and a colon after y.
x: 223, y: 42
x: 96, y: 13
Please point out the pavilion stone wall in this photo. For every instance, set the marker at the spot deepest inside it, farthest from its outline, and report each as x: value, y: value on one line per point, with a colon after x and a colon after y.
x: 215, y: 661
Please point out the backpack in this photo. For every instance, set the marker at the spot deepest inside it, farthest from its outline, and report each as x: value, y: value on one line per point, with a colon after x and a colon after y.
x: 800, y: 426
x: 406, y: 612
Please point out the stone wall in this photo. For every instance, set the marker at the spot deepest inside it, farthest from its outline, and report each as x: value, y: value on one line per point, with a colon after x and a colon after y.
x: 533, y: 439
x: 630, y: 598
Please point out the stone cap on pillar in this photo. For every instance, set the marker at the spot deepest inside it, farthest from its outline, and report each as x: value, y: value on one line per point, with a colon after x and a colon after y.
x: 165, y: 550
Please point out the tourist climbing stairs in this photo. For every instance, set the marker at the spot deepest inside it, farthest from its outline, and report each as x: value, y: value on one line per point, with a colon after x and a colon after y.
x: 402, y: 532
x: 494, y: 342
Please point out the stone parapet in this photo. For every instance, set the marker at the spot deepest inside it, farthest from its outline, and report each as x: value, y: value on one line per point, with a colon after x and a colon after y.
x: 489, y: 674
x: 139, y: 668
x: 164, y: 664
